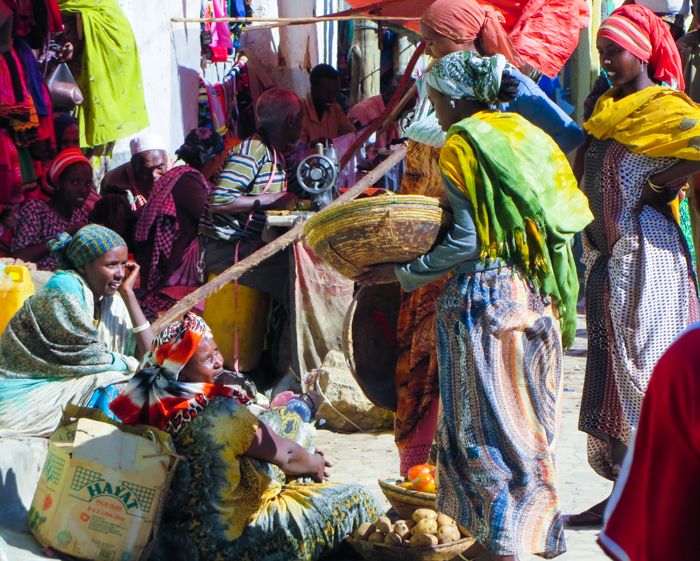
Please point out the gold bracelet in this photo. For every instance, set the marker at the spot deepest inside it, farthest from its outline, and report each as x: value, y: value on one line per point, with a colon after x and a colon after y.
x: 656, y: 188
x: 140, y: 328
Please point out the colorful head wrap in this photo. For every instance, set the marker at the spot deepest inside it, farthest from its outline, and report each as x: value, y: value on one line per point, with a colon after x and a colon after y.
x: 154, y: 395
x: 65, y: 159
x: 466, y: 75
x: 467, y: 20
x: 201, y: 144
x: 88, y: 244
x: 641, y: 32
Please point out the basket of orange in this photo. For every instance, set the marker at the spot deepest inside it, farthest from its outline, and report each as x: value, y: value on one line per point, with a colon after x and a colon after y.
x: 416, y: 491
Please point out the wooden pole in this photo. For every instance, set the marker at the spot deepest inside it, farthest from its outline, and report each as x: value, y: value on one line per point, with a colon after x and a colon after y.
x: 292, y: 20
x: 366, y: 62
x: 270, y: 249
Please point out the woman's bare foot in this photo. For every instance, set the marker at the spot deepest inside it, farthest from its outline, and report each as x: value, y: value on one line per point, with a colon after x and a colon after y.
x: 591, y: 517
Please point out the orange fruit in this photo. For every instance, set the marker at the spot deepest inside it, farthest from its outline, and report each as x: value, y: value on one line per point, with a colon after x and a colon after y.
x: 415, y: 471
x: 425, y: 483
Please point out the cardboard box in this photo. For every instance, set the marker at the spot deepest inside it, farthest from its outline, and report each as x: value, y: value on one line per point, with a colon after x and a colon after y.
x: 102, y: 490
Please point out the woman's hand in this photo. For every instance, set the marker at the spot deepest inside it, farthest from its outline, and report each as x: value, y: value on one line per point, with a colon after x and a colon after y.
x: 132, y: 273
x: 377, y: 274
x: 320, y: 464
x: 651, y: 198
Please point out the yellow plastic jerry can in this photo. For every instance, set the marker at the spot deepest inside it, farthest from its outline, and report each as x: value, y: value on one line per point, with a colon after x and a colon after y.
x: 13, y: 295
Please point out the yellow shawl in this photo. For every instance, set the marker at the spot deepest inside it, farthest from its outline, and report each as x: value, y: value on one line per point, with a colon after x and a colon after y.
x: 657, y: 121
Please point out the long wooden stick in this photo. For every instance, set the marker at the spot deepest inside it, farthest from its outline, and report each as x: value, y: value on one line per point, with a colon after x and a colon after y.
x: 320, y: 19
x: 270, y: 249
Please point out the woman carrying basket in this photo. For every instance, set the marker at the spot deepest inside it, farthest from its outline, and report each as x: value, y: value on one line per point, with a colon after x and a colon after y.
x: 504, y: 313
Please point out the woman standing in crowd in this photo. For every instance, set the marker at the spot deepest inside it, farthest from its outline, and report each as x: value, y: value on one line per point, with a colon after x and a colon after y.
x: 75, y: 338
x: 516, y: 207
x: 641, y: 291
x: 167, y: 246
x: 40, y: 221
x: 231, y: 498
x: 450, y: 26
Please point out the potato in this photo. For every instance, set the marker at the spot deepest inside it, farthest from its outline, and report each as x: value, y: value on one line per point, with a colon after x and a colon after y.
x: 392, y: 538
x: 402, y: 529
x: 422, y: 513
x: 364, y: 531
x: 448, y: 533
x: 383, y: 525
x: 444, y: 520
x: 423, y: 540
x: 425, y: 526
x: 376, y: 537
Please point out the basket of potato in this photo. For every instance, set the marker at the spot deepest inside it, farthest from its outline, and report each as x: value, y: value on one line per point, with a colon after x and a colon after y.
x: 427, y: 536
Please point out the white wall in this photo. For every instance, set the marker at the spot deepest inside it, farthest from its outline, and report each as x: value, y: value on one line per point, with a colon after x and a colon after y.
x: 170, y: 58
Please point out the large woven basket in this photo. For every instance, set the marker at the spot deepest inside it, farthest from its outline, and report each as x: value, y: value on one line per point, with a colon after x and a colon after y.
x: 382, y: 229
x: 405, y: 501
x: 381, y: 552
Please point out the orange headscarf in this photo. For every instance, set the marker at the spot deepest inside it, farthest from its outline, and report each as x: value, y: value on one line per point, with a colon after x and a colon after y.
x: 641, y: 32
x: 467, y: 20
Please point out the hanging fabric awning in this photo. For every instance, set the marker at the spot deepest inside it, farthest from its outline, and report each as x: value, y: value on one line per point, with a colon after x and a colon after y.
x: 544, y: 32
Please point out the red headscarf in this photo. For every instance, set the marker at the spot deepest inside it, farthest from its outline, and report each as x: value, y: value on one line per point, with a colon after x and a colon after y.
x: 63, y: 160
x: 467, y: 20
x: 154, y: 396
x: 641, y: 32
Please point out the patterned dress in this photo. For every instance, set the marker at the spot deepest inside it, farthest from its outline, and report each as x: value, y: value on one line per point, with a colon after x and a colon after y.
x: 641, y: 292
x: 38, y: 223
x: 417, y: 382
x: 500, y: 382
x: 225, y: 506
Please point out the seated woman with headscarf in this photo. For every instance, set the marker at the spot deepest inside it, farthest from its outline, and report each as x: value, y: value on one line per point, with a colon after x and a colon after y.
x: 40, y: 221
x: 167, y: 247
x: 235, y: 496
x: 75, y: 338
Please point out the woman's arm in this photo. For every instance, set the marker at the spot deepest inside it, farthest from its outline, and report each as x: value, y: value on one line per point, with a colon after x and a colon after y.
x: 126, y: 291
x: 654, y: 199
x: 291, y: 458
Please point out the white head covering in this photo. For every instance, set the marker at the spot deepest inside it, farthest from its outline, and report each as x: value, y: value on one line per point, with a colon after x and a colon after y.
x: 147, y: 141
x: 681, y: 7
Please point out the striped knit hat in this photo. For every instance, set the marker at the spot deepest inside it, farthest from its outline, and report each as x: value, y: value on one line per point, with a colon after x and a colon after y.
x: 65, y: 159
x: 88, y: 244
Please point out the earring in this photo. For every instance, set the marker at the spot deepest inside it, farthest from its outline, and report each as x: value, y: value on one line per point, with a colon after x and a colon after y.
x: 453, y: 104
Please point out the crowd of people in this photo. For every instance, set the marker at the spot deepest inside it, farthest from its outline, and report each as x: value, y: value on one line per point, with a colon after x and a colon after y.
x: 485, y: 317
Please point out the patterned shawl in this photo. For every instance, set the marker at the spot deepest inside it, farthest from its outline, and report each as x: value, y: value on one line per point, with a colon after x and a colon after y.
x: 657, y: 121
x: 161, y: 211
x: 52, y: 354
x: 527, y: 203
x: 154, y: 396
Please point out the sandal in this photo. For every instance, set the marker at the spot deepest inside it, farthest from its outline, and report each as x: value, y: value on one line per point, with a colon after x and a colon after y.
x: 585, y: 518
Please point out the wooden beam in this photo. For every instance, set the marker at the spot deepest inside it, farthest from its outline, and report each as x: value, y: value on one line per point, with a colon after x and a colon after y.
x: 289, y: 21
x: 243, y: 266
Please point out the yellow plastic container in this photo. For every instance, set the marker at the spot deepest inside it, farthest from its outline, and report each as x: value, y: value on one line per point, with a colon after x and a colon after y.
x: 12, y: 299
x: 221, y: 315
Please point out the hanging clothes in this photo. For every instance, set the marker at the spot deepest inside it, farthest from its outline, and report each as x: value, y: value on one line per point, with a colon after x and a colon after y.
x: 110, y: 78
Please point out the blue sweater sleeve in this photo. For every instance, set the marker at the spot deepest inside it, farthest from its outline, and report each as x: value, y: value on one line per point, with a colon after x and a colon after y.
x: 533, y: 104
x: 461, y: 244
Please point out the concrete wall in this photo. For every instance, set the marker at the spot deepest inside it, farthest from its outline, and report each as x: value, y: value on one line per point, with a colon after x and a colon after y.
x: 170, y: 60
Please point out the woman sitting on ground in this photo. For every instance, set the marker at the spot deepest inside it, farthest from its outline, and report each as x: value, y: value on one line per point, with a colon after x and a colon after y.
x: 75, y: 338
x: 40, y: 221
x: 231, y: 499
x: 167, y: 247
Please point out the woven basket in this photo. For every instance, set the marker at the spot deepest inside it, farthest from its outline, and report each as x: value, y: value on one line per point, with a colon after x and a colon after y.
x: 382, y: 229
x: 381, y: 552
x: 405, y: 501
